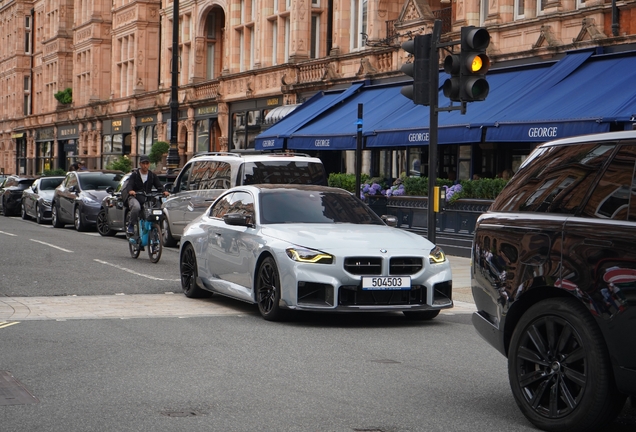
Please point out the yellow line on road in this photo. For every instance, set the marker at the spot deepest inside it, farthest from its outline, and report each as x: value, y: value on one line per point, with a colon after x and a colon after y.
x: 4, y: 324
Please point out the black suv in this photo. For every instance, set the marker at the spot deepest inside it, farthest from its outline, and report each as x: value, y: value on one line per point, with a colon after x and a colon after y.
x: 554, y: 280
x: 11, y: 193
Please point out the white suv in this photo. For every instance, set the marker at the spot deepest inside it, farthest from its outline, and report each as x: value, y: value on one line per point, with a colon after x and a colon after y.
x: 206, y: 175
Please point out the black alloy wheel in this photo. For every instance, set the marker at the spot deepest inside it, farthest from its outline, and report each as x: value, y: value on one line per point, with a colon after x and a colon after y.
x: 39, y: 217
x: 134, y: 242
x: 55, y: 218
x: 559, y: 369
x: 189, y: 274
x: 102, y: 225
x: 77, y: 219
x: 166, y: 235
x: 268, y: 291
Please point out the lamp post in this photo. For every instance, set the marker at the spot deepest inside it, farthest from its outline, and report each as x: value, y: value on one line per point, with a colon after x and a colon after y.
x: 173, y: 153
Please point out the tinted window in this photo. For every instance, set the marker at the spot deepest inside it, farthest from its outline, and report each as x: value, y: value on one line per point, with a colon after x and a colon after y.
x: 184, y: 177
x: 23, y: 184
x: 555, y: 179
x: 611, y: 197
x: 99, y: 181
x: 292, y: 206
x: 210, y: 175
x: 221, y: 206
x: 282, y: 172
x: 50, y: 183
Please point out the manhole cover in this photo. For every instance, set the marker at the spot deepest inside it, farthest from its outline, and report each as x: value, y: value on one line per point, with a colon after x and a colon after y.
x: 12, y: 392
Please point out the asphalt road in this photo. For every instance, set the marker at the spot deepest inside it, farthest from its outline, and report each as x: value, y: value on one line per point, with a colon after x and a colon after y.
x: 230, y: 370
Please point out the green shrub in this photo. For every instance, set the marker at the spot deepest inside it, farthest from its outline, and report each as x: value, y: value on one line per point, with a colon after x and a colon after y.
x: 157, y: 151
x: 345, y: 181
x: 122, y: 163
x: 54, y: 172
x: 64, y: 96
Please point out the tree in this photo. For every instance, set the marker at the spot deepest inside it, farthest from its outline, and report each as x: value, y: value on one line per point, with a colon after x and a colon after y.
x: 122, y: 163
x: 157, y: 151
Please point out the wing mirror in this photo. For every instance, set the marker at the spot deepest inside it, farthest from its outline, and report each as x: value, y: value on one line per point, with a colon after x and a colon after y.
x: 390, y: 220
x: 238, y: 219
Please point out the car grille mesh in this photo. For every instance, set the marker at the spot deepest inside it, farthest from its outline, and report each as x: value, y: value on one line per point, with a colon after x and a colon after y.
x: 372, y: 266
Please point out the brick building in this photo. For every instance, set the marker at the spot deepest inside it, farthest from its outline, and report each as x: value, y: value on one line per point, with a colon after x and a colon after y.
x: 239, y: 61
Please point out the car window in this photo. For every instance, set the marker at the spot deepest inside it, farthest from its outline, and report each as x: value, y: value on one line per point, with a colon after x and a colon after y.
x: 99, y: 181
x: 210, y: 175
x: 184, y: 178
x: 221, y: 206
x: 243, y: 203
x: 611, y: 196
x: 24, y: 184
x: 300, y: 206
x: 50, y: 183
x: 284, y: 172
x: 557, y: 181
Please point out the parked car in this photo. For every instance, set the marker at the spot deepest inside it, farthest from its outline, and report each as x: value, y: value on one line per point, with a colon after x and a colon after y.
x: 11, y: 193
x: 311, y: 248
x: 78, y: 199
x: 36, y: 199
x: 113, y: 214
x: 206, y: 176
x: 554, y: 280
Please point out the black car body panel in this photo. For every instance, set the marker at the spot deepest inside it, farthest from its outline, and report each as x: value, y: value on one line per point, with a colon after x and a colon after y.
x: 11, y: 193
x: 564, y: 227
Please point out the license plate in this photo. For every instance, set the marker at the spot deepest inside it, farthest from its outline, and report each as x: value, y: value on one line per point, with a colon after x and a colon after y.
x: 156, y: 212
x: 386, y: 283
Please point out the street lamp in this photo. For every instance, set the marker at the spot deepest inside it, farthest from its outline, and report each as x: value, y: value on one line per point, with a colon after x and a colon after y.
x: 173, y: 153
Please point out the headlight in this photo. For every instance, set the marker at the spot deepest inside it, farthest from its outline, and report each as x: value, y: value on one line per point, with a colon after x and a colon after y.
x: 88, y: 200
x: 46, y: 203
x: 436, y: 255
x: 309, y: 255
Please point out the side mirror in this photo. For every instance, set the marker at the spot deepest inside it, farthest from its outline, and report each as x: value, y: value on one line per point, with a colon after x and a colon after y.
x: 110, y: 190
x: 238, y: 219
x: 168, y: 186
x: 73, y: 189
x: 390, y: 220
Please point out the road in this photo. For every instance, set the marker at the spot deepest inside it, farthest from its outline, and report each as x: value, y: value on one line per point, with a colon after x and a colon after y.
x: 138, y: 356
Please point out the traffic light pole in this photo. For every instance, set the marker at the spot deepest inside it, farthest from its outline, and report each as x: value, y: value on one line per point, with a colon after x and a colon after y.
x: 432, y: 146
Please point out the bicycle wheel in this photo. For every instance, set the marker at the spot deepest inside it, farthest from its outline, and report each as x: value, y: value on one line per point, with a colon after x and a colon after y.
x: 155, y: 246
x: 134, y: 243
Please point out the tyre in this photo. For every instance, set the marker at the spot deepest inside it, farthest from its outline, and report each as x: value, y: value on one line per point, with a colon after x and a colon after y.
x: 23, y: 213
x: 77, y: 220
x: 189, y: 273
x: 55, y: 219
x: 420, y: 315
x: 39, y: 217
x: 559, y: 369
x: 154, y: 243
x: 166, y: 235
x: 102, y: 225
x: 134, y: 243
x: 268, y: 291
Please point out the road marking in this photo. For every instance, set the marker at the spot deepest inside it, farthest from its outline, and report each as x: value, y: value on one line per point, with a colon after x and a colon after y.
x: 4, y: 324
x: 134, y: 272
x: 51, y: 245
x: 9, y: 234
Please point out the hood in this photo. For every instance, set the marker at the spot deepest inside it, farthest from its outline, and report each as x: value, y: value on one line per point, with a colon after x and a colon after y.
x: 334, y: 237
x: 96, y: 195
x: 46, y: 194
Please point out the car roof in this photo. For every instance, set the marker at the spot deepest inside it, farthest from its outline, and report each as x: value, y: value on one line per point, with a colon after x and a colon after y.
x: 252, y: 157
x: 581, y: 139
x: 270, y: 187
x: 84, y: 172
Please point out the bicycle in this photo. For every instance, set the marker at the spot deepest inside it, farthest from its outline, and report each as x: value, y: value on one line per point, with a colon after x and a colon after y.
x: 147, y: 232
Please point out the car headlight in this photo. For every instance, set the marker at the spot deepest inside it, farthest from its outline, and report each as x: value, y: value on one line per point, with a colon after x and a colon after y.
x: 46, y: 203
x: 88, y: 200
x: 309, y: 255
x: 436, y: 255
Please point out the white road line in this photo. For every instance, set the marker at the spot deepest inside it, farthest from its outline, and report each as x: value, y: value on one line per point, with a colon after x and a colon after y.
x: 134, y: 272
x: 50, y: 245
x: 9, y: 234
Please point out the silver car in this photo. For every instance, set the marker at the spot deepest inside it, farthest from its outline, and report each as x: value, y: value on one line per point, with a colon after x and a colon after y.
x: 313, y: 248
x: 36, y: 199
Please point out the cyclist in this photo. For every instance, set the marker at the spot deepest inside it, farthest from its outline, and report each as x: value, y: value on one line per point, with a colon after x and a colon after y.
x: 141, y: 180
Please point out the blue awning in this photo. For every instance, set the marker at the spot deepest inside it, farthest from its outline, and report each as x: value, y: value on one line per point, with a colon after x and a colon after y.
x: 595, y: 95
x: 336, y: 129
x: 274, y: 137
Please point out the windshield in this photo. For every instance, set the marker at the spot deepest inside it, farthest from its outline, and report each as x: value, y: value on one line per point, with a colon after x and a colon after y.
x: 23, y: 184
x: 284, y: 172
x: 99, y: 181
x: 50, y: 183
x: 299, y: 206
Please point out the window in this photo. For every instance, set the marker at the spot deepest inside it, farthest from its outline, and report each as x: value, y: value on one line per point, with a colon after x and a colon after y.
x: 146, y: 137
x: 221, y: 207
x: 27, y: 95
x: 483, y: 16
x: 287, y: 39
x: 210, y: 175
x: 274, y: 42
x: 519, y: 9
x: 27, y: 34
x: 203, y: 135
x: 314, y: 49
x: 541, y: 4
x: 358, y: 23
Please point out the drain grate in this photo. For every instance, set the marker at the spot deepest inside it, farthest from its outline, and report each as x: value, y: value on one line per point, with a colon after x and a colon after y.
x: 12, y: 391
x: 184, y: 413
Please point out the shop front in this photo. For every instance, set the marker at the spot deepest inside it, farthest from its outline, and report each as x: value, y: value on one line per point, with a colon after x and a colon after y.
x: 207, y: 130
x: 44, y: 139
x: 20, y: 152
x: 248, y: 121
x: 67, y: 143
x: 146, y: 135
x: 116, y: 140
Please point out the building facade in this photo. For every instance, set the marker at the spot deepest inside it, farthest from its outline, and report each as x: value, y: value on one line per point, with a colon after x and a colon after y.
x: 91, y: 80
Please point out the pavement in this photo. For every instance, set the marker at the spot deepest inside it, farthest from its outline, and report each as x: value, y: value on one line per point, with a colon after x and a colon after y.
x: 120, y: 306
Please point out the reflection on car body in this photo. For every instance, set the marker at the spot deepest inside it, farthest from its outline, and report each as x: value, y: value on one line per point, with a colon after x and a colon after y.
x: 311, y: 248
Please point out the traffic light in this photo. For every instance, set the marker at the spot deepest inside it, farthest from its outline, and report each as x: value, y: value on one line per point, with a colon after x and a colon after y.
x: 474, y: 63
x: 468, y: 69
x: 419, y: 69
